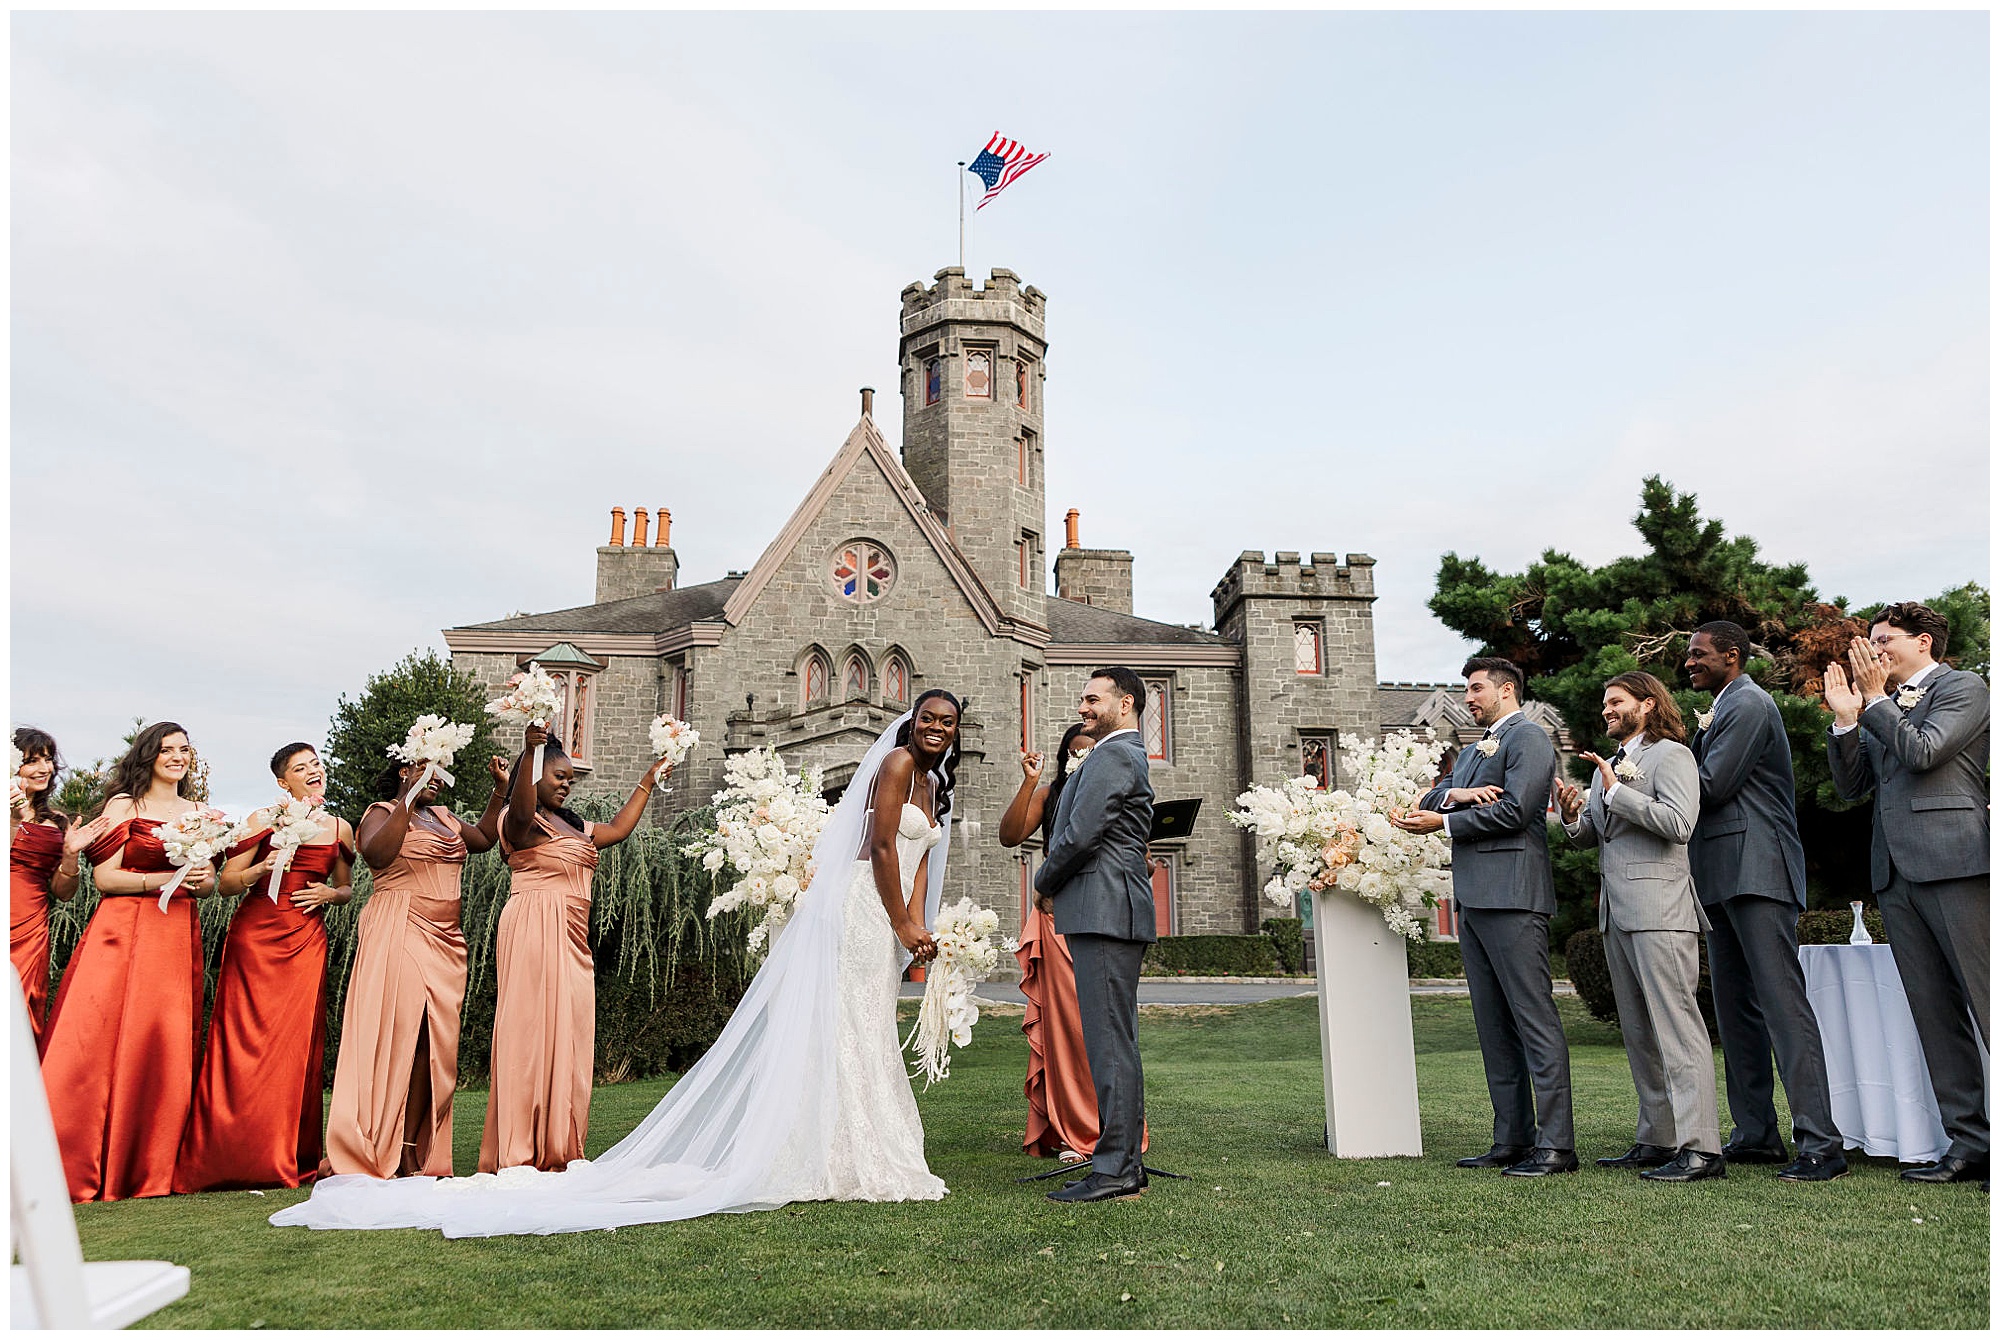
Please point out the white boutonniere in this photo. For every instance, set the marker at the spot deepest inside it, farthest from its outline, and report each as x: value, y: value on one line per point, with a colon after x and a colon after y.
x: 1910, y: 695
x: 1489, y: 747
x: 1628, y: 770
x: 1703, y: 720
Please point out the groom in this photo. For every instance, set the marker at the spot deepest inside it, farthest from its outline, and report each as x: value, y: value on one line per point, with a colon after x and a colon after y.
x: 1095, y: 881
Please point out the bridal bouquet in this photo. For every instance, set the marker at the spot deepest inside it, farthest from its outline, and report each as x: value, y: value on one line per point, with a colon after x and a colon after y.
x: 533, y: 698
x: 766, y: 821
x: 673, y: 740
x: 294, y: 821
x: 966, y: 957
x: 199, y: 834
x: 1318, y: 840
x: 434, y: 742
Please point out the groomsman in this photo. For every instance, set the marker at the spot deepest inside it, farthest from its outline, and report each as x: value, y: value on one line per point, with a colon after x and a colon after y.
x: 1914, y: 732
x: 1640, y: 813
x: 1750, y: 871
x: 1493, y: 810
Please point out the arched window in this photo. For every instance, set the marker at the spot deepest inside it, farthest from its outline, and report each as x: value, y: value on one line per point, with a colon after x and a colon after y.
x: 812, y: 679
x: 896, y: 680
x: 854, y: 678
x: 979, y: 375
x: 933, y: 379
x: 1308, y: 655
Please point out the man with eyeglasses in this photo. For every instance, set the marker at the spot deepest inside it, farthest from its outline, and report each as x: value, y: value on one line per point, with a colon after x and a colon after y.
x: 1914, y: 731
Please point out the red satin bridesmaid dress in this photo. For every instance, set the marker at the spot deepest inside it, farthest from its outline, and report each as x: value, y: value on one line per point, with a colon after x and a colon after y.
x: 31, y: 864
x: 118, y: 1055
x: 258, y: 1107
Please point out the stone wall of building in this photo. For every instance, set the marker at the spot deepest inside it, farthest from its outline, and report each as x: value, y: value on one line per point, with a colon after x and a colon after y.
x: 1100, y: 577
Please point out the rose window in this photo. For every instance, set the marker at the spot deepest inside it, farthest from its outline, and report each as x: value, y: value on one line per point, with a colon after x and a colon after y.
x: 863, y: 572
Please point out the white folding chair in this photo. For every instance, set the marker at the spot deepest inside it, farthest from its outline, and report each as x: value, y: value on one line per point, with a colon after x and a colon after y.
x: 53, y: 1286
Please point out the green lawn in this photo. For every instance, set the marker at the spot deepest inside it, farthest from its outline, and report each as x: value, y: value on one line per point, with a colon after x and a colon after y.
x: 1272, y: 1231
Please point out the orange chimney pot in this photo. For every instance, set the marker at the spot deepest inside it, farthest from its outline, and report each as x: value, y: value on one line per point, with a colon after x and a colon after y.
x: 1069, y: 530
x: 617, y: 525
x: 639, y: 526
x: 660, y: 536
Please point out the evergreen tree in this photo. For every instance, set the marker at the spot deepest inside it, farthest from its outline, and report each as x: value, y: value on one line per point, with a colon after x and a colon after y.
x: 1571, y: 627
x: 358, y: 740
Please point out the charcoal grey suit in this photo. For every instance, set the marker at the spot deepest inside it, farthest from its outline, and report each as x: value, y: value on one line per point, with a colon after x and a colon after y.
x: 1505, y: 891
x: 1652, y: 922
x: 1929, y: 867
x: 1095, y: 871
x: 1750, y: 871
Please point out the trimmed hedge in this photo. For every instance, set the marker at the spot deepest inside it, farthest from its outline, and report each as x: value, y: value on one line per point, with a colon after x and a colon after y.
x: 1833, y: 928
x: 1211, y: 956
x: 1435, y: 958
x: 1288, y: 941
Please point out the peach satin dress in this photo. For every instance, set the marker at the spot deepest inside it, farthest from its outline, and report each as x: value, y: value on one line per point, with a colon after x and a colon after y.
x: 398, y: 1065
x: 1062, y: 1100
x: 545, y: 1022
x: 32, y: 858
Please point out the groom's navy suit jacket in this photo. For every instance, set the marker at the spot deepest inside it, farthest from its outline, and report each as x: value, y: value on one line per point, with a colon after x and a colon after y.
x: 1095, y: 867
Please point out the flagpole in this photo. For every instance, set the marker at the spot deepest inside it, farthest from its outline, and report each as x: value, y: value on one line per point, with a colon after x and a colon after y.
x: 960, y: 179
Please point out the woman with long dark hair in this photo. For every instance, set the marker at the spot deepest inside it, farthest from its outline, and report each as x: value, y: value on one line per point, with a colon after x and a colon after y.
x: 43, y: 850
x: 1062, y: 1100
x: 256, y: 1115
x: 398, y: 1066
x: 545, y: 1018
x: 118, y: 1058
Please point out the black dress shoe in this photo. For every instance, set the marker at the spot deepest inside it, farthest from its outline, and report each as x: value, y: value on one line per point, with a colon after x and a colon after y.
x: 1948, y: 1169
x: 1690, y: 1165
x: 1749, y: 1153
x: 1543, y: 1162
x: 1640, y: 1156
x: 1500, y: 1156
x: 1812, y: 1168
x: 1098, y: 1187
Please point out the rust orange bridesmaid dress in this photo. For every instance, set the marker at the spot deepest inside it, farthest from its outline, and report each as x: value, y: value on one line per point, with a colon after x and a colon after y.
x: 118, y: 1056
x: 32, y: 858
x: 1062, y: 1101
x: 256, y: 1119
x: 545, y: 1022
x: 398, y: 1066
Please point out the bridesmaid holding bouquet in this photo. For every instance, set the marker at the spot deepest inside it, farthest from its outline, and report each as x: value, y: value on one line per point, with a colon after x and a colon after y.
x: 545, y: 1022
x: 42, y: 853
x: 118, y: 1057
x: 398, y: 1067
x: 256, y: 1116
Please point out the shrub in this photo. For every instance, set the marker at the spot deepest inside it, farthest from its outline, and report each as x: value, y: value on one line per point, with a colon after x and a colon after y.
x: 1288, y: 942
x: 1833, y: 928
x: 1211, y: 956
x: 1435, y: 958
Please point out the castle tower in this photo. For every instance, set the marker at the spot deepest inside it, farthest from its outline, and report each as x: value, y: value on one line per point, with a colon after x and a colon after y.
x: 972, y: 363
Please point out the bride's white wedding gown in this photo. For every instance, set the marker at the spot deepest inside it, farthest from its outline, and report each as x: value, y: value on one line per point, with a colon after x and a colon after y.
x: 793, y: 1102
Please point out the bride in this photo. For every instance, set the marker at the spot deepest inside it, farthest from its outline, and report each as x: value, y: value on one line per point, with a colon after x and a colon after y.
x: 796, y: 1100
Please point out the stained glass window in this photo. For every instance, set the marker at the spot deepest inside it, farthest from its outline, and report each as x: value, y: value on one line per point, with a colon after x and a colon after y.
x: 1306, y: 657
x: 815, y: 678
x: 933, y: 380
x: 862, y: 572
x: 1316, y: 759
x: 854, y: 680
x: 979, y: 375
x: 1021, y: 383
x: 1158, y: 729
x: 896, y: 680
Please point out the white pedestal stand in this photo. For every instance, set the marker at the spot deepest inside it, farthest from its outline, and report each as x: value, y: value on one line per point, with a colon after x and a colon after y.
x: 1366, y: 1044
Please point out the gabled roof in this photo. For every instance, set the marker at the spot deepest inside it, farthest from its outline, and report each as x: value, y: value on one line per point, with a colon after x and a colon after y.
x: 568, y: 653
x: 866, y: 445
x: 1074, y: 621
x: 654, y: 612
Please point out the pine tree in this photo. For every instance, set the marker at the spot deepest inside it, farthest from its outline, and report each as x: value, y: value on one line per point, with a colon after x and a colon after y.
x: 358, y: 740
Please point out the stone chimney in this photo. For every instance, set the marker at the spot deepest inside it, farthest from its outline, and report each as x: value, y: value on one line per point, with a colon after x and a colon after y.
x: 1101, y: 577
x: 635, y: 569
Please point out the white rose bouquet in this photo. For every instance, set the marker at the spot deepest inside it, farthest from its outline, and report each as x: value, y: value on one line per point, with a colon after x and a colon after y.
x: 966, y: 956
x: 533, y: 698
x: 1318, y: 840
x: 766, y: 821
x: 673, y: 740
x: 433, y: 742
x: 199, y: 834
x: 294, y: 821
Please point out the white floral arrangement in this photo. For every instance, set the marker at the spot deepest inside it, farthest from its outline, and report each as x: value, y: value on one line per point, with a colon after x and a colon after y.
x: 1628, y: 770
x: 1489, y: 746
x: 199, y: 834
x: 533, y: 698
x: 294, y: 821
x: 1318, y: 840
x: 767, y: 819
x: 673, y: 740
x: 966, y: 956
x: 1703, y: 720
x: 434, y: 742
x: 1910, y: 695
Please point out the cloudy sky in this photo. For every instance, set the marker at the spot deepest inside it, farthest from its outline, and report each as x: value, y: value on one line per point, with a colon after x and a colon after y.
x: 330, y: 331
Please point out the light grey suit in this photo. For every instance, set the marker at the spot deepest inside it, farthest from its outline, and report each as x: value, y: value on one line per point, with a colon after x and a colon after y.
x: 1929, y: 866
x: 1750, y: 872
x: 1652, y: 920
x: 1095, y: 871
x: 1505, y: 891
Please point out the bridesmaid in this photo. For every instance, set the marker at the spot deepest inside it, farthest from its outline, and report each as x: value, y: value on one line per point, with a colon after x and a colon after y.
x: 545, y: 1022
x: 43, y: 848
x: 1062, y: 1101
x: 118, y: 1057
x: 398, y: 1068
x: 258, y: 1104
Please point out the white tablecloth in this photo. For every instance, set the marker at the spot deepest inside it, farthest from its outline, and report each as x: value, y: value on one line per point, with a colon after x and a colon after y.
x: 1882, y: 1097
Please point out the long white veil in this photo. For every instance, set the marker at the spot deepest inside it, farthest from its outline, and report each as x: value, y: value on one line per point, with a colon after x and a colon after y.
x: 747, y: 1128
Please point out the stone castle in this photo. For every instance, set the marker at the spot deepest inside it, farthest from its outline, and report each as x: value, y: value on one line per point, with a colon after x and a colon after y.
x: 904, y: 569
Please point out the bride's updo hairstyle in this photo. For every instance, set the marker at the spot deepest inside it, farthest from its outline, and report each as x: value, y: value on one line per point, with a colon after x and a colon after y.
x: 946, y: 771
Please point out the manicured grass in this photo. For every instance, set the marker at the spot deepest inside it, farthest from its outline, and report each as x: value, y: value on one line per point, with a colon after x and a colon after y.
x: 1272, y: 1231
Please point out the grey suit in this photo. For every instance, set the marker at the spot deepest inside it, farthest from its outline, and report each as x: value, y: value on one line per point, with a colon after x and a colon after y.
x: 1652, y: 920
x: 1505, y: 891
x: 1095, y: 871
x: 1929, y: 866
x: 1750, y: 872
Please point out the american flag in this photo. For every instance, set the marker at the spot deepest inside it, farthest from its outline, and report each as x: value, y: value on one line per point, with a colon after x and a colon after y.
x: 999, y: 163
